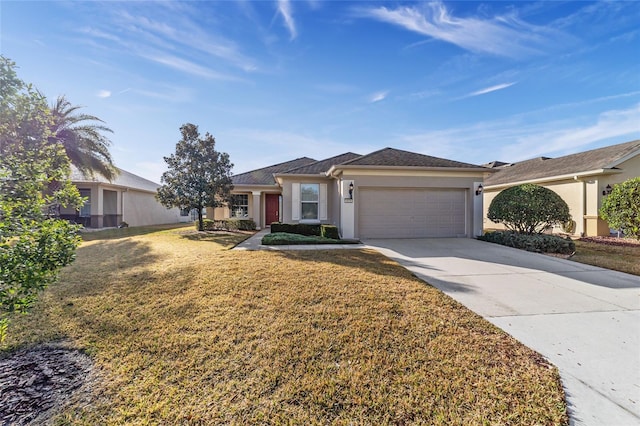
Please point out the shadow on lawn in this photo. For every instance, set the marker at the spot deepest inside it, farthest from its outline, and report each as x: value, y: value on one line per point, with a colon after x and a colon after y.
x: 225, y: 238
x: 117, y: 233
x: 363, y: 259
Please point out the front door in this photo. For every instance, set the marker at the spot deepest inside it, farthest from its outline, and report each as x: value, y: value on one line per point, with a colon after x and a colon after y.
x: 272, y: 208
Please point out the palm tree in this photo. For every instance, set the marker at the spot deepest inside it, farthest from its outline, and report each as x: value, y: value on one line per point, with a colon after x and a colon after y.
x: 82, y: 138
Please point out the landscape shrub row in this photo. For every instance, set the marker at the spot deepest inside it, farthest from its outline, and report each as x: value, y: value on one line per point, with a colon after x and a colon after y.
x: 326, y: 231
x: 539, y: 243
x: 228, y: 225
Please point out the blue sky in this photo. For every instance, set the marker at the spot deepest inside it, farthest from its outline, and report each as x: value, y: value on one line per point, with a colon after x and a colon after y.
x: 277, y: 80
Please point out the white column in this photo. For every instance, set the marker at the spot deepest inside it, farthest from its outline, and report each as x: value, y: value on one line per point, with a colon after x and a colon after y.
x: 477, y: 210
x: 347, y: 210
x: 256, y: 209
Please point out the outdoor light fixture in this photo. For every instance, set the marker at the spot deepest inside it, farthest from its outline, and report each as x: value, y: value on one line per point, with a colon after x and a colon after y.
x: 479, y: 190
x: 351, y: 190
x: 607, y: 190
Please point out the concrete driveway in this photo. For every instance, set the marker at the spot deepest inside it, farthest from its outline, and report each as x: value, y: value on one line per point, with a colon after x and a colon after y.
x: 584, y: 319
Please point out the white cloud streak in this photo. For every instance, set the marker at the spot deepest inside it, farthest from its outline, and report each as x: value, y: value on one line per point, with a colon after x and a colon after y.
x: 517, y: 138
x: 104, y: 94
x: 284, y: 8
x: 501, y: 36
x: 378, y: 96
x: 490, y: 89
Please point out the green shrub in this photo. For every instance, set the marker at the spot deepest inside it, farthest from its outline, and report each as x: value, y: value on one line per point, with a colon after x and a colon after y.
x: 621, y: 208
x: 329, y: 231
x: 296, y: 228
x: 528, y: 209
x: 227, y: 225
x: 539, y: 243
x: 284, y: 238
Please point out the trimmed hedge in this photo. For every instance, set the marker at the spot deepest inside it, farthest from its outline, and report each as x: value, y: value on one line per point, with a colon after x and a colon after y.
x: 539, y: 243
x: 327, y: 231
x: 283, y: 238
x: 228, y: 225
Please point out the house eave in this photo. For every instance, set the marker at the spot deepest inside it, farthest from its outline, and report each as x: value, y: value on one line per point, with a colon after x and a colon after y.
x: 335, y: 171
x: 568, y: 176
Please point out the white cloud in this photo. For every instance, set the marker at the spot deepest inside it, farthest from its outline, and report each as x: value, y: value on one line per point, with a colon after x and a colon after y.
x: 284, y: 7
x: 518, y: 138
x: 378, y: 96
x: 104, y: 94
x: 491, y: 89
x: 501, y: 36
x: 188, y: 67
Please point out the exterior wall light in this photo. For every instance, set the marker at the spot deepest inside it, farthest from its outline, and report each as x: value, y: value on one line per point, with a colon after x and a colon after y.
x: 479, y: 190
x: 351, y: 190
x: 607, y: 190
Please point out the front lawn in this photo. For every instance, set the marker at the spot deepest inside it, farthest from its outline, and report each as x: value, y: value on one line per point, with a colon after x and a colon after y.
x: 612, y: 253
x: 183, y: 331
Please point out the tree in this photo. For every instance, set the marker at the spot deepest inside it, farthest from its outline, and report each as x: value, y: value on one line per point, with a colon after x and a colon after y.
x: 621, y: 208
x: 82, y: 139
x: 528, y: 208
x: 198, y: 175
x: 33, y: 246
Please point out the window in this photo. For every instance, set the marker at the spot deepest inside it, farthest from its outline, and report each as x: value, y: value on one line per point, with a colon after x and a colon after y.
x: 309, y: 198
x: 240, y: 205
x: 85, y: 210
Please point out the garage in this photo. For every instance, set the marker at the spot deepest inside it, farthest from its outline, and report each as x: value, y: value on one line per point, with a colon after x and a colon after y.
x: 412, y: 213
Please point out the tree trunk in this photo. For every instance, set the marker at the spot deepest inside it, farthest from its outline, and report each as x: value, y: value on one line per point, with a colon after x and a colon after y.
x: 200, y: 221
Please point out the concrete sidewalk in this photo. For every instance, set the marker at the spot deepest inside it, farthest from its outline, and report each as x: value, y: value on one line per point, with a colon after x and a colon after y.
x: 584, y: 319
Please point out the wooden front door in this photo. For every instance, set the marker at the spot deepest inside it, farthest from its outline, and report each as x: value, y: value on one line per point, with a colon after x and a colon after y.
x: 272, y: 208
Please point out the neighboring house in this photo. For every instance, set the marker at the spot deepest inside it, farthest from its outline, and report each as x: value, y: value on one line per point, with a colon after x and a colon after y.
x: 389, y: 193
x: 129, y: 198
x: 582, y: 180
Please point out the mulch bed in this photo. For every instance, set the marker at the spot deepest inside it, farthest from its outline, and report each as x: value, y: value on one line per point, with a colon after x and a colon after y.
x: 36, y: 382
x: 613, y: 241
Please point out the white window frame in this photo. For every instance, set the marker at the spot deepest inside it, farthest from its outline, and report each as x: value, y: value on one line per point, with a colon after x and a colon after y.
x: 296, y: 202
x: 235, y: 206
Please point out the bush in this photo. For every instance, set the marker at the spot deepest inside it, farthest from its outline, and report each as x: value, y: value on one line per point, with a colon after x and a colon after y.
x: 227, y: 225
x: 329, y: 231
x: 528, y: 209
x: 621, y: 208
x: 539, y: 243
x: 284, y: 238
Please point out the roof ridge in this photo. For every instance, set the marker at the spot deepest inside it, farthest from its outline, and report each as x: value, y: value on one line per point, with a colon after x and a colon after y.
x: 276, y: 165
x: 321, y: 161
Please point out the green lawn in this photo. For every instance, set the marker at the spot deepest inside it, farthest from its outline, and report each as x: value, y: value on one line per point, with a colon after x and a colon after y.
x: 184, y: 331
x: 623, y: 258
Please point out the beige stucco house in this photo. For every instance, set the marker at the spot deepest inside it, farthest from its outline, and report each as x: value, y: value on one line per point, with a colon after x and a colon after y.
x: 388, y: 193
x: 128, y: 198
x: 582, y: 180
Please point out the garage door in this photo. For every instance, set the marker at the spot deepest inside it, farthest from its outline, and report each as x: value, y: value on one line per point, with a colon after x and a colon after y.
x: 411, y: 213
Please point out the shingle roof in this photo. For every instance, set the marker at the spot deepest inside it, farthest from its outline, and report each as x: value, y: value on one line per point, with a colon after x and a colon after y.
x: 400, y: 158
x: 264, y: 176
x: 124, y: 179
x: 544, y: 167
x: 323, y: 165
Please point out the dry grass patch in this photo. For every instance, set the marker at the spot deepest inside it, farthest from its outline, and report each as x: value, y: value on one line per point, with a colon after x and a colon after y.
x: 185, y: 332
x: 605, y: 253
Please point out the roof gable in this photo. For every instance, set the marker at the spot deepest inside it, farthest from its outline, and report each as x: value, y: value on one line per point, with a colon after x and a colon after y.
x: 264, y: 176
x: 545, y: 167
x: 124, y: 178
x: 323, y: 165
x: 399, y: 158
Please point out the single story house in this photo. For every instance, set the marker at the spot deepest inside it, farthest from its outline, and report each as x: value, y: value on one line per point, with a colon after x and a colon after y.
x: 128, y: 198
x: 583, y: 180
x: 388, y: 193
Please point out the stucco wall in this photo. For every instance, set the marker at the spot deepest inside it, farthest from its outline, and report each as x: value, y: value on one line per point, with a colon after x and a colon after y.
x: 141, y: 208
x: 287, y: 207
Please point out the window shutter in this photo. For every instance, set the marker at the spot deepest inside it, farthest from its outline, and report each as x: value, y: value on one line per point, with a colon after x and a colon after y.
x: 295, y: 201
x: 322, y: 206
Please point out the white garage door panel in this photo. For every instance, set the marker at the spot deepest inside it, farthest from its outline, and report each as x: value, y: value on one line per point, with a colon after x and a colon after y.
x: 411, y: 213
